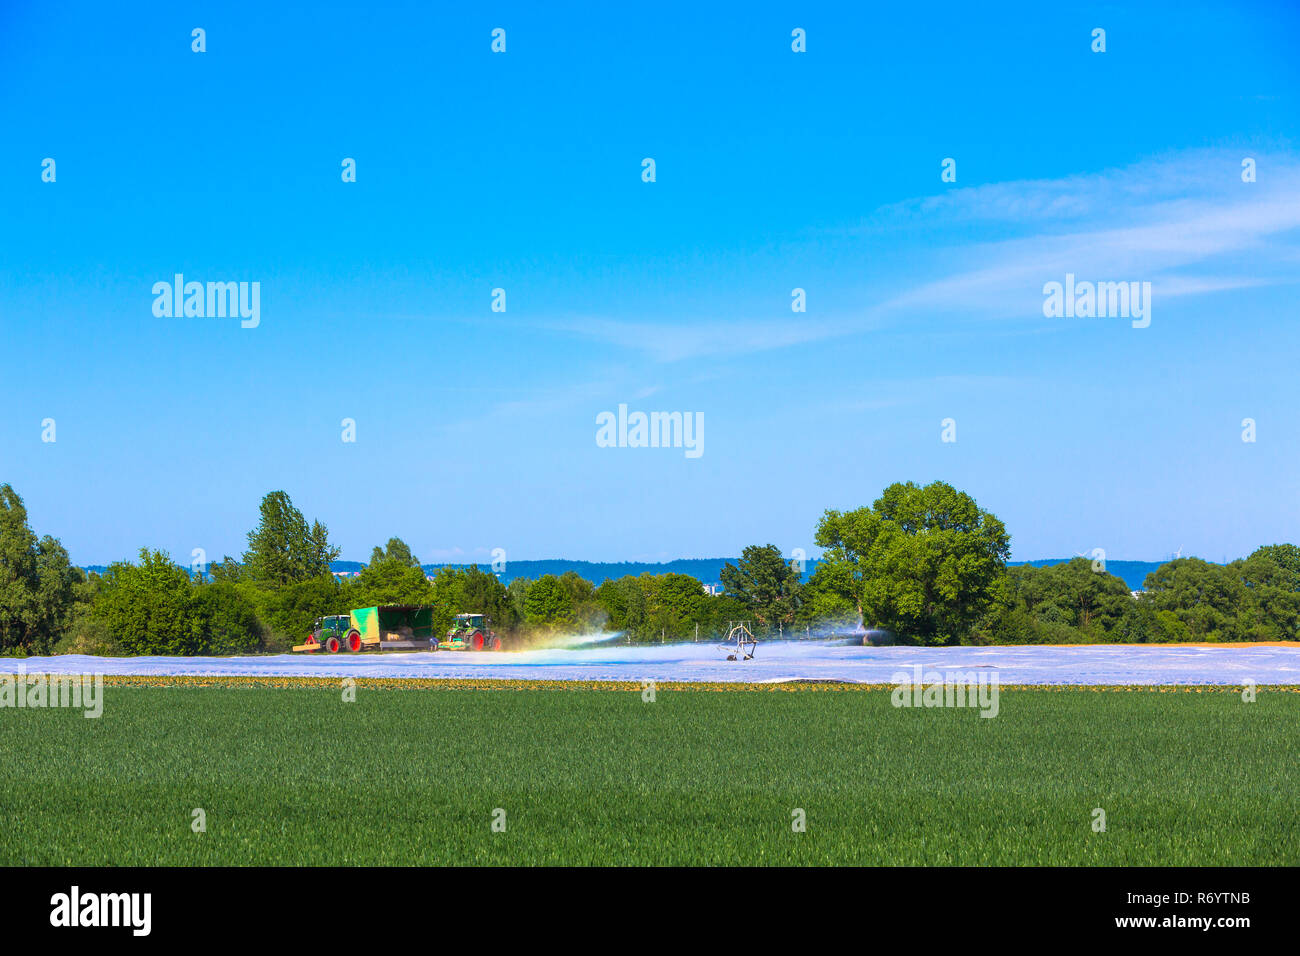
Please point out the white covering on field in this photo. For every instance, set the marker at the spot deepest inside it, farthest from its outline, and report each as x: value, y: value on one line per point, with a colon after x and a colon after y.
x: 775, y: 660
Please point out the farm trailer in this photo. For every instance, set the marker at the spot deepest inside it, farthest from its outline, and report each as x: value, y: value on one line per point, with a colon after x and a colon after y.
x: 389, y: 627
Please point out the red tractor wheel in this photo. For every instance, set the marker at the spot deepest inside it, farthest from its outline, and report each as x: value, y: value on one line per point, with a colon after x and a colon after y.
x: 476, y: 641
x: 496, y: 643
x: 354, y: 641
x: 332, y: 644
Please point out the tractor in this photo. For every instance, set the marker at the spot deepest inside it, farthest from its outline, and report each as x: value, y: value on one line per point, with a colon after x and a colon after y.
x: 470, y: 632
x: 334, y: 633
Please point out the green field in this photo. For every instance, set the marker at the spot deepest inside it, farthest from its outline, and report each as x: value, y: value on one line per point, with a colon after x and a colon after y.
x: 412, y: 776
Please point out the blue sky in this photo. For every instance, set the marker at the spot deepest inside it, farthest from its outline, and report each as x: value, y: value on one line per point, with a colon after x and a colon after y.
x: 775, y: 170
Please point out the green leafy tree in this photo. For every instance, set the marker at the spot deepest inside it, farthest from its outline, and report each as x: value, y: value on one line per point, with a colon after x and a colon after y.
x: 585, y: 613
x: 319, y: 553
x: 923, y: 562
x: 227, y: 569
x: 397, y: 551
x: 624, y: 603
x: 38, y: 584
x: 389, y: 582
x: 675, y: 604
x: 765, y: 583
x: 1210, y: 600
x: 83, y: 634
x: 288, y: 612
x: 1272, y: 574
x: 483, y: 593
x: 518, y: 591
x: 155, y: 607
x: 548, y: 602
x: 646, y: 607
x: 226, y: 619
x: 146, y: 607
x: 1067, y: 603
x: 283, y: 549
x: 826, y: 598
x: 1213, y: 602
x: 1073, y: 593
x: 1277, y: 565
x: 1097, y: 599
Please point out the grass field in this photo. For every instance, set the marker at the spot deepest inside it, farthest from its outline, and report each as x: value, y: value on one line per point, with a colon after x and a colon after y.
x: 412, y: 775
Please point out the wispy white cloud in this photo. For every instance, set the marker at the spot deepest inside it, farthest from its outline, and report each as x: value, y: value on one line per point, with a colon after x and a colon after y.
x: 1179, y: 225
x: 1184, y: 222
x: 1165, y: 179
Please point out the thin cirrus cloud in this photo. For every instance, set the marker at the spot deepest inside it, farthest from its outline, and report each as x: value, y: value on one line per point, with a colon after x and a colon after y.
x: 1189, y: 228
x: 1184, y: 222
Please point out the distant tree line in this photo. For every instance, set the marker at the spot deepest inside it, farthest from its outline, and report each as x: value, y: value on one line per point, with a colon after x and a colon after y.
x: 923, y: 562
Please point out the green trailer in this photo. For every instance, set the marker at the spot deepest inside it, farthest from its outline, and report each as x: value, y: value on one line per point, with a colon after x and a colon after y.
x: 387, y: 627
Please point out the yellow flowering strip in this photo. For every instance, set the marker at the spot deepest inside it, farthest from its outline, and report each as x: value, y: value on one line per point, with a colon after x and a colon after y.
x: 454, y: 683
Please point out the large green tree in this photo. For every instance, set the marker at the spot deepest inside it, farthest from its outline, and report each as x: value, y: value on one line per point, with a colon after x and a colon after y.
x: 548, y: 602
x: 225, y: 618
x: 1272, y: 573
x: 38, y: 584
x: 826, y: 597
x: 923, y: 562
x: 675, y: 604
x: 1277, y: 565
x: 765, y: 583
x: 1072, y: 602
x: 146, y: 608
x: 624, y: 601
x: 389, y: 582
x: 155, y: 607
x: 1073, y: 592
x: 397, y: 551
x: 1211, y: 600
x: 648, y: 607
x: 283, y: 548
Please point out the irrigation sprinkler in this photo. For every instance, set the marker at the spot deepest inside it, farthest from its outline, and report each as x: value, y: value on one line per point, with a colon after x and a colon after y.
x: 741, y: 642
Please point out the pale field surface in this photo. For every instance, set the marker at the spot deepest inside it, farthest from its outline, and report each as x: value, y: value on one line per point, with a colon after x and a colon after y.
x: 1113, y: 664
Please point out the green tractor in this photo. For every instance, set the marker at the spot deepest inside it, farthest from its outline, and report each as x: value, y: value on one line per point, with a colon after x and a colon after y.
x: 334, y: 633
x: 470, y: 632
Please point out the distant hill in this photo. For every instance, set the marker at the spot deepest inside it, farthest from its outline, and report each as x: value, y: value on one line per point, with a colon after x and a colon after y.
x: 706, y: 570
x: 709, y: 570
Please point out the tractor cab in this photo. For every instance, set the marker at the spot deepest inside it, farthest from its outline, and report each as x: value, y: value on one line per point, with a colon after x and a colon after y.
x: 336, y: 624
